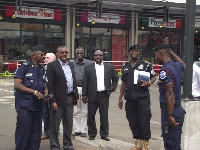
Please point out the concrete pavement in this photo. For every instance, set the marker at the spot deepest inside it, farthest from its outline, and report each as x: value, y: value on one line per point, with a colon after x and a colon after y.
x: 120, y: 133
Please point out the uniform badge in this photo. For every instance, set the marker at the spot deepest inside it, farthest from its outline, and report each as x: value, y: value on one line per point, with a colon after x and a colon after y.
x: 125, y: 69
x: 162, y: 74
x: 29, y: 74
x: 141, y: 66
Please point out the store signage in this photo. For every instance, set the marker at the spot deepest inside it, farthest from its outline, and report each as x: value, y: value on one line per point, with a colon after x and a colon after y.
x: 152, y: 22
x: 110, y: 18
x: 34, y: 12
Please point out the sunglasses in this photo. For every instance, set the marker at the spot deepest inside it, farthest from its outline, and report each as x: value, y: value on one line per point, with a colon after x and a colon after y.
x: 98, y: 55
x: 64, y: 52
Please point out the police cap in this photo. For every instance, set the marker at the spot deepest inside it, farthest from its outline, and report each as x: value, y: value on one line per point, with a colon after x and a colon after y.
x: 161, y: 47
x: 38, y: 48
x: 134, y: 47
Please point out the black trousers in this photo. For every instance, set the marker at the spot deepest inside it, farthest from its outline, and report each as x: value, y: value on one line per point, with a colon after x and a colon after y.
x: 138, y: 113
x: 102, y: 102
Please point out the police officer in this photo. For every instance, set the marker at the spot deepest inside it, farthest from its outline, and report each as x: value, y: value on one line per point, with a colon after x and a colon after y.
x: 137, y: 106
x: 16, y: 93
x: 30, y: 83
x: 172, y: 113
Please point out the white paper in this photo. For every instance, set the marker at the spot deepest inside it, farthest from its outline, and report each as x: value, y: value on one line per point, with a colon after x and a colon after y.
x: 137, y: 72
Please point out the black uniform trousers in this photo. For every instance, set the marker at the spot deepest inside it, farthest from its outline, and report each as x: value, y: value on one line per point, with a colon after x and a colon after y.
x: 138, y: 113
x: 102, y: 102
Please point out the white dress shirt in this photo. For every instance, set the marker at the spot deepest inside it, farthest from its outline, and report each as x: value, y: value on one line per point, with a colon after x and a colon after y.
x: 196, y: 81
x: 100, y: 76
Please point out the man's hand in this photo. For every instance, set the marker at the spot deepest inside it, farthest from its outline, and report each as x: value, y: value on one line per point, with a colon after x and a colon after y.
x: 145, y: 84
x: 76, y: 103
x: 172, y: 121
x: 120, y: 103
x: 84, y: 99
x: 39, y: 96
x: 166, y: 41
x: 54, y: 106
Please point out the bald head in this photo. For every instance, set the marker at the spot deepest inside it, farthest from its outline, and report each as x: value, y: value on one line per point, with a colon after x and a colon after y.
x: 49, y: 58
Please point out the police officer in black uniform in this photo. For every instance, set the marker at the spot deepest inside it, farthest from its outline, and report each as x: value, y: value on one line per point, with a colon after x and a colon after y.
x: 172, y: 113
x: 137, y: 106
x: 30, y: 83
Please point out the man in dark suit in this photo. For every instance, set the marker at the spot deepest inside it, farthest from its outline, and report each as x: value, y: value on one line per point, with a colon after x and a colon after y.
x: 61, y: 88
x: 97, y: 87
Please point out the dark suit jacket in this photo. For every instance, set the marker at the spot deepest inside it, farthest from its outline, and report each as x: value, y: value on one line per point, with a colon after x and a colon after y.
x: 57, y: 84
x: 90, y: 81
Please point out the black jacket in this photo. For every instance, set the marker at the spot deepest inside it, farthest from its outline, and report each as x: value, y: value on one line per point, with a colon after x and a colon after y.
x: 90, y: 81
x: 57, y: 82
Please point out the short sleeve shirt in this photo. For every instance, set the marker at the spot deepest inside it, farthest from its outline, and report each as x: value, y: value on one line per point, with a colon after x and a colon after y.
x: 133, y: 91
x: 171, y: 72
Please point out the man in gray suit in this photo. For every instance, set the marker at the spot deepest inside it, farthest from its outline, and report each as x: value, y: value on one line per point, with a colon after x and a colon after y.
x: 62, y: 89
x: 100, y: 80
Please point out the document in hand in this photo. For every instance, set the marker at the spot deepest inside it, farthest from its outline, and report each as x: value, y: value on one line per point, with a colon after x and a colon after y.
x: 141, y: 75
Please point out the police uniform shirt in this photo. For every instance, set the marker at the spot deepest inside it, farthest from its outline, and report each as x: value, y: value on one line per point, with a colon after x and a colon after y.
x: 133, y: 91
x: 34, y: 78
x: 171, y: 72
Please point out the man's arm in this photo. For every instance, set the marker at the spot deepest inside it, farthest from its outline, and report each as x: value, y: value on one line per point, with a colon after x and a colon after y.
x: 85, y: 86
x: 115, y: 79
x: 170, y: 97
x: 173, y: 55
x: 120, y: 103
x: 19, y: 86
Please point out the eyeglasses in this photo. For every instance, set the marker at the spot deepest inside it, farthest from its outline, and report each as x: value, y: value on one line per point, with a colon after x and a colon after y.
x: 98, y: 55
x: 64, y: 52
x: 41, y: 55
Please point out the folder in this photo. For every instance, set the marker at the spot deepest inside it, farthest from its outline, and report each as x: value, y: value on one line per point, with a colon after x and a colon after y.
x: 141, y: 75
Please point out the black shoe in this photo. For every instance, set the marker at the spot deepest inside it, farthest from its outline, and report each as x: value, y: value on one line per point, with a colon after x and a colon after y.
x: 76, y: 134
x: 106, y: 138
x: 91, y: 138
x: 83, y: 134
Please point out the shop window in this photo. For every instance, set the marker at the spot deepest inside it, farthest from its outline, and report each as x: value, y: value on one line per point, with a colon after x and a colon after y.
x: 53, y: 37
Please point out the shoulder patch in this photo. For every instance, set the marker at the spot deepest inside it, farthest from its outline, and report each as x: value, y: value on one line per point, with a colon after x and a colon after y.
x: 162, y: 75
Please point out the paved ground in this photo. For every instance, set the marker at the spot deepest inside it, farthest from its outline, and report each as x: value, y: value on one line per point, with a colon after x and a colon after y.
x: 120, y: 133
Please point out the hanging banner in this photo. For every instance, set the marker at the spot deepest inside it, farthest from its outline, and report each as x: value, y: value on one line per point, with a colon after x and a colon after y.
x: 34, y: 12
x: 110, y: 18
x: 152, y: 22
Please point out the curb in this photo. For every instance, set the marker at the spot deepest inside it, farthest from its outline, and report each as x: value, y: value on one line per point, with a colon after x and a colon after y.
x: 113, y: 144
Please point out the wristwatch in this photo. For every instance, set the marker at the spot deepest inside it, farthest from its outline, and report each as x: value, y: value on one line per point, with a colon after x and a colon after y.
x: 169, y: 115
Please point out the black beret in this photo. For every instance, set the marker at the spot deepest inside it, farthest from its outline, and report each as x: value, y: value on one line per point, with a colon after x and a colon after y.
x: 38, y: 48
x: 134, y: 47
x: 160, y: 47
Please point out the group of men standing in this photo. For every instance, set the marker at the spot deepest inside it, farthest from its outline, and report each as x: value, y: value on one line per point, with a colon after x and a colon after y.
x: 87, y: 85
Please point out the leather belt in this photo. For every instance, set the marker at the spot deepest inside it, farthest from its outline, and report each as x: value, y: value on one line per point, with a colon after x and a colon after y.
x: 101, y: 91
x: 80, y: 85
x: 70, y: 94
x: 164, y: 106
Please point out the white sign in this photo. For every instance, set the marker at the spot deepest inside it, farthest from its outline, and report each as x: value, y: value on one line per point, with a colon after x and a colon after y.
x: 35, y: 12
x: 157, y: 22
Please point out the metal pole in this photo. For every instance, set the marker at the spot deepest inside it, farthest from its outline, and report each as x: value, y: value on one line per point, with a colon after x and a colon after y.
x: 189, y: 47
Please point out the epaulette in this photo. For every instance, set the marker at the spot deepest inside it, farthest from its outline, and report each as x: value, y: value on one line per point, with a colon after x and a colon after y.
x: 26, y: 63
x: 125, y: 64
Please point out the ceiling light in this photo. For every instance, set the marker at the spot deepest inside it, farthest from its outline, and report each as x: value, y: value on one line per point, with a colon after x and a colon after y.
x: 93, y: 22
x: 13, y: 16
x: 160, y: 26
x: 142, y: 28
x: 77, y: 24
x: 196, y: 31
x: 1, y: 17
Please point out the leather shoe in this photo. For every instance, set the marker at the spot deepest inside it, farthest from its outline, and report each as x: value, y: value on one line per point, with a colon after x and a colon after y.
x: 106, y: 138
x: 44, y: 137
x: 91, y: 138
x: 83, y: 134
x: 76, y: 134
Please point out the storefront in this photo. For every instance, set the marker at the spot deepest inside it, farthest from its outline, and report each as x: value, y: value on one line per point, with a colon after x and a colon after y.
x: 108, y: 33
x: 152, y: 32
x: 33, y: 25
